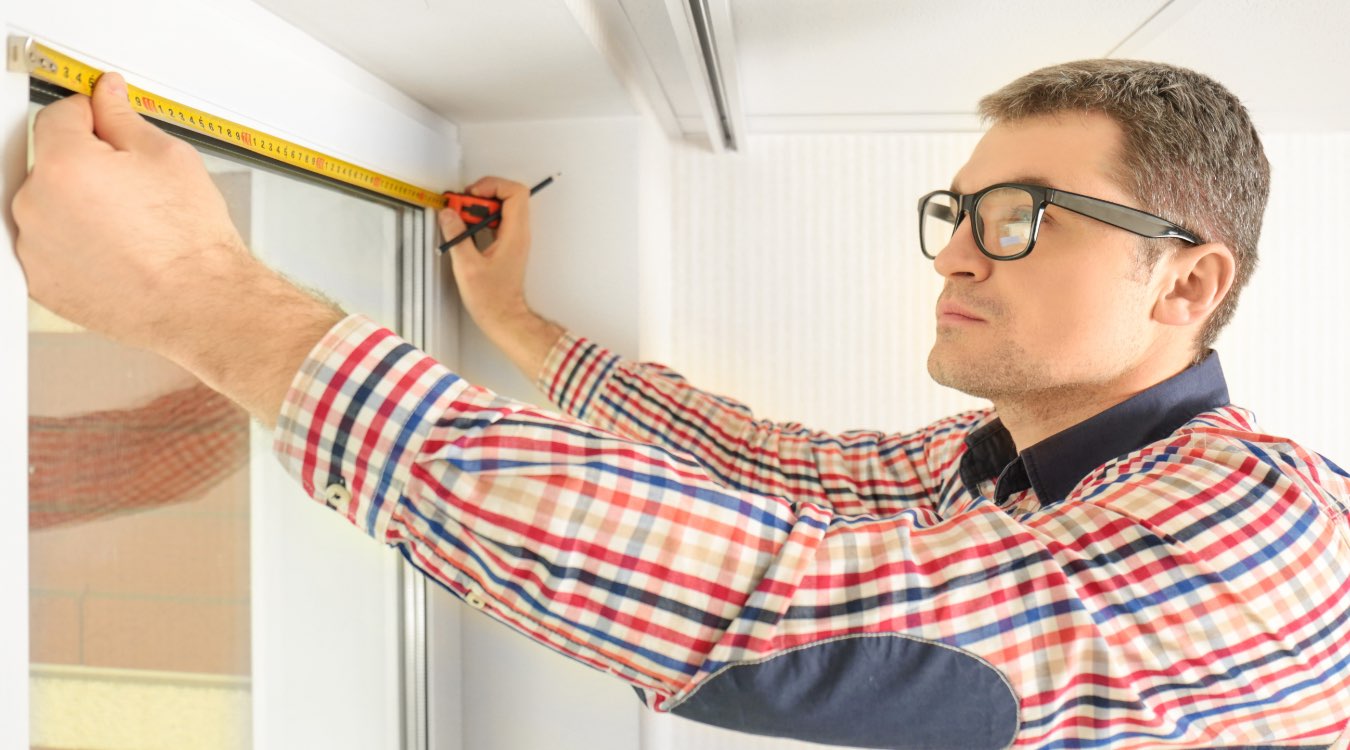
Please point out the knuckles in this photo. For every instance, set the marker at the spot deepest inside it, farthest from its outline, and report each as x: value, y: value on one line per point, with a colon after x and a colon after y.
x: 178, y: 153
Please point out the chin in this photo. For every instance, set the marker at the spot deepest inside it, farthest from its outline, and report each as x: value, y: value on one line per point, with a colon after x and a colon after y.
x: 959, y: 376
x: 995, y: 375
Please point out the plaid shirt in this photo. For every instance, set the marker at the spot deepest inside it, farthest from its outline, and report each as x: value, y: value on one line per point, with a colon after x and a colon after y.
x: 929, y: 589
x: 118, y: 461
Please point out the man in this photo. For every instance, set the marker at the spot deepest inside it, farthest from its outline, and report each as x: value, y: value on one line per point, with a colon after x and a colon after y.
x: 1113, y: 555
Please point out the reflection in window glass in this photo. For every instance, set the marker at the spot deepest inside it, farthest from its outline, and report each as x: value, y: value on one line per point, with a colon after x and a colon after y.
x: 140, y: 496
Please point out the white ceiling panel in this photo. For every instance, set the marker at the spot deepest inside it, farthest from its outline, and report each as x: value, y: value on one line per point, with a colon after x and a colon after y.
x: 827, y: 65
x: 1287, y: 60
x: 475, y: 61
x: 876, y: 57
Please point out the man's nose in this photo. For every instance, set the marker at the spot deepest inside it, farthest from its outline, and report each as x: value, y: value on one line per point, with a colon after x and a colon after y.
x: 962, y: 257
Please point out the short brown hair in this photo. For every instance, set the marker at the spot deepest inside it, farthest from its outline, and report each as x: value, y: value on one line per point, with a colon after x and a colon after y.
x: 1191, y: 153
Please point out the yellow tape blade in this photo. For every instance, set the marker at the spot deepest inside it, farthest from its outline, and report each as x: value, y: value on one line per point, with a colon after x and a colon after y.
x: 46, y: 64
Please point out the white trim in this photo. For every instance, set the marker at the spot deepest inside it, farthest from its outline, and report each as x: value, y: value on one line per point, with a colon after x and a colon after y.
x: 149, y: 676
x: 610, y: 29
x: 417, y: 251
x: 722, y: 30
x: 13, y: 431
x: 682, y: 23
x: 883, y: 122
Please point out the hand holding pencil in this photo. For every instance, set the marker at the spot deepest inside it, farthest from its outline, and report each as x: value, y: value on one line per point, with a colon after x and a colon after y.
x: 492, y: 282
x: 477, y: 209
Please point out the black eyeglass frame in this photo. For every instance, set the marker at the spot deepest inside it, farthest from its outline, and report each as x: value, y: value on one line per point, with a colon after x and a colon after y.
x: 1131, y: 220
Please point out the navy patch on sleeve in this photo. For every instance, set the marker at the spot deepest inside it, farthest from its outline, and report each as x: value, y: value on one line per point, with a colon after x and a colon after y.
x: 874, y: 691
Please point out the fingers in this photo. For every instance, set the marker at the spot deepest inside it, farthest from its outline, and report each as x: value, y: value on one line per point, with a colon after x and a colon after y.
x: 515, y: 199
x: 451, y: 226
x: 61, y: 125
x: 497, y: 187
x: 116, y: 122
x: 464, y: 254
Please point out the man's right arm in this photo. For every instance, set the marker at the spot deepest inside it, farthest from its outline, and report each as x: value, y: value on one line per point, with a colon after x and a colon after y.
x: 492, y: 282
x: 854, y: 473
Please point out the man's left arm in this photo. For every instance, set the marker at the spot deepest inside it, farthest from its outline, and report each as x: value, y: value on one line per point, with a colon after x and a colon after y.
x: 121, y: 231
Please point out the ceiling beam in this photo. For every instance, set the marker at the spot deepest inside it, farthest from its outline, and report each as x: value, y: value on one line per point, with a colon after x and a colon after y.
x: 1163, y: 18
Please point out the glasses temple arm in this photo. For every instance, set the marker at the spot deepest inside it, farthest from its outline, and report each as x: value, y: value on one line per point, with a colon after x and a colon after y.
x: 1124, y: 217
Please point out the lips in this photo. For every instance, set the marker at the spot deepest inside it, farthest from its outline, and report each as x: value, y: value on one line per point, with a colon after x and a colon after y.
x: 955, y: 312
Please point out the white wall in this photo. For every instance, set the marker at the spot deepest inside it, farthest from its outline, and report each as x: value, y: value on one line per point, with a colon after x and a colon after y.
x: 1285, y: 353
x: 799, y: 287
x: 798, y: 284
x: 226, y: 56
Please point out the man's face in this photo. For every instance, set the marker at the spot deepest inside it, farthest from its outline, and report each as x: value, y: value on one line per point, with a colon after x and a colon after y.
x: 1076, y: 311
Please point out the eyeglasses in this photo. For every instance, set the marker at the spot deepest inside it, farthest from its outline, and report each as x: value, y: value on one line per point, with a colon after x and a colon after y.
x: 1007, y: 218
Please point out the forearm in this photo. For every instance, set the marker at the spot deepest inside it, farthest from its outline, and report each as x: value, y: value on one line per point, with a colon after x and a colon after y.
x: 526, y: 339
x: 852, y: 473
x: 246, y: 333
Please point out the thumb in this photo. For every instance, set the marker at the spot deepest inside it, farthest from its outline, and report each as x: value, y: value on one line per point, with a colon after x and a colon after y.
x: 115, y: 121
x: 450, y: 222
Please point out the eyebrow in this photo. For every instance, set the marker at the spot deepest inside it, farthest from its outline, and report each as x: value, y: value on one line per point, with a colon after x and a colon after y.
x: 1028, y: 179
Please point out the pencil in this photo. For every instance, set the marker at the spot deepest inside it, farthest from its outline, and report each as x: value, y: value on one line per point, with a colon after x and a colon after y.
x: 495, y: 215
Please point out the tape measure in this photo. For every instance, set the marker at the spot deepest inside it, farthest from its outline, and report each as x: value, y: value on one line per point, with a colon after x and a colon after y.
x: 46, y: 64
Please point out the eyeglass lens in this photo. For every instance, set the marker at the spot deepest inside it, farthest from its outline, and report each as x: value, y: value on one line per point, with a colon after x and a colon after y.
x: 1003, y: 221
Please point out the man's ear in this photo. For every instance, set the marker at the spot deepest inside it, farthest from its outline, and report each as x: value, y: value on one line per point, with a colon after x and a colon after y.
x: 1196, y: 278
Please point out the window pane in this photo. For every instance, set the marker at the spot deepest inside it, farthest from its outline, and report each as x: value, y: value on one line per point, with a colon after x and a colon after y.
x: 142, y: 490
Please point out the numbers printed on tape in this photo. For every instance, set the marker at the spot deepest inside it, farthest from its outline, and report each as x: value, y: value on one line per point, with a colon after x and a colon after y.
x: 46, y: 64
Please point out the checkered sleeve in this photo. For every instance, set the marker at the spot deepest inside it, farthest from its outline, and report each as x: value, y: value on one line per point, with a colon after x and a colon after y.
x: 621, y: 555
x: 1154, y: 608
x: 854, y: 473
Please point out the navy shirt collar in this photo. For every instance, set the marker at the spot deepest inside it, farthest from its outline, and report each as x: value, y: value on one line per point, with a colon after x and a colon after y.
x: 1054, y: 466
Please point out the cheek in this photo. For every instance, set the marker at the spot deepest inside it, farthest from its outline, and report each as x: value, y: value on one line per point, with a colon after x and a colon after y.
x: 1055, y: 323
x: 1074, y: 317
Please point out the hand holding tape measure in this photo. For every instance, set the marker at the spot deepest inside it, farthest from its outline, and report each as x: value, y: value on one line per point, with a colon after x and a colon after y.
x: 51, y: 66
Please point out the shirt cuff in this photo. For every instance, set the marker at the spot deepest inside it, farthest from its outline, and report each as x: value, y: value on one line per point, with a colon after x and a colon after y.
x: 356, y: 416
x: 573, y: 373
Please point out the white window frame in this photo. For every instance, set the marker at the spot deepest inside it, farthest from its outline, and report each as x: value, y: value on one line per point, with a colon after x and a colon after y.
x: 235, y: 59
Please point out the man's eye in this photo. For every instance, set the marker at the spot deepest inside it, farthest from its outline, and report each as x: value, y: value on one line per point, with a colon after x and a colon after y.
x: 1015, y: 216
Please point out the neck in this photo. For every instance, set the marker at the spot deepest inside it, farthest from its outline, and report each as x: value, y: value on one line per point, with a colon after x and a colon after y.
x: 1033, y: 416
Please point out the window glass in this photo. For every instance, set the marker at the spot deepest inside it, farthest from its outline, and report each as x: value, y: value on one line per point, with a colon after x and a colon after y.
x: 144, y: 492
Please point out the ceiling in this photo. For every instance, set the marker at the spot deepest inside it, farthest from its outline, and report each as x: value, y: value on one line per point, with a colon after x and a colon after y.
x: 822, y: 65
